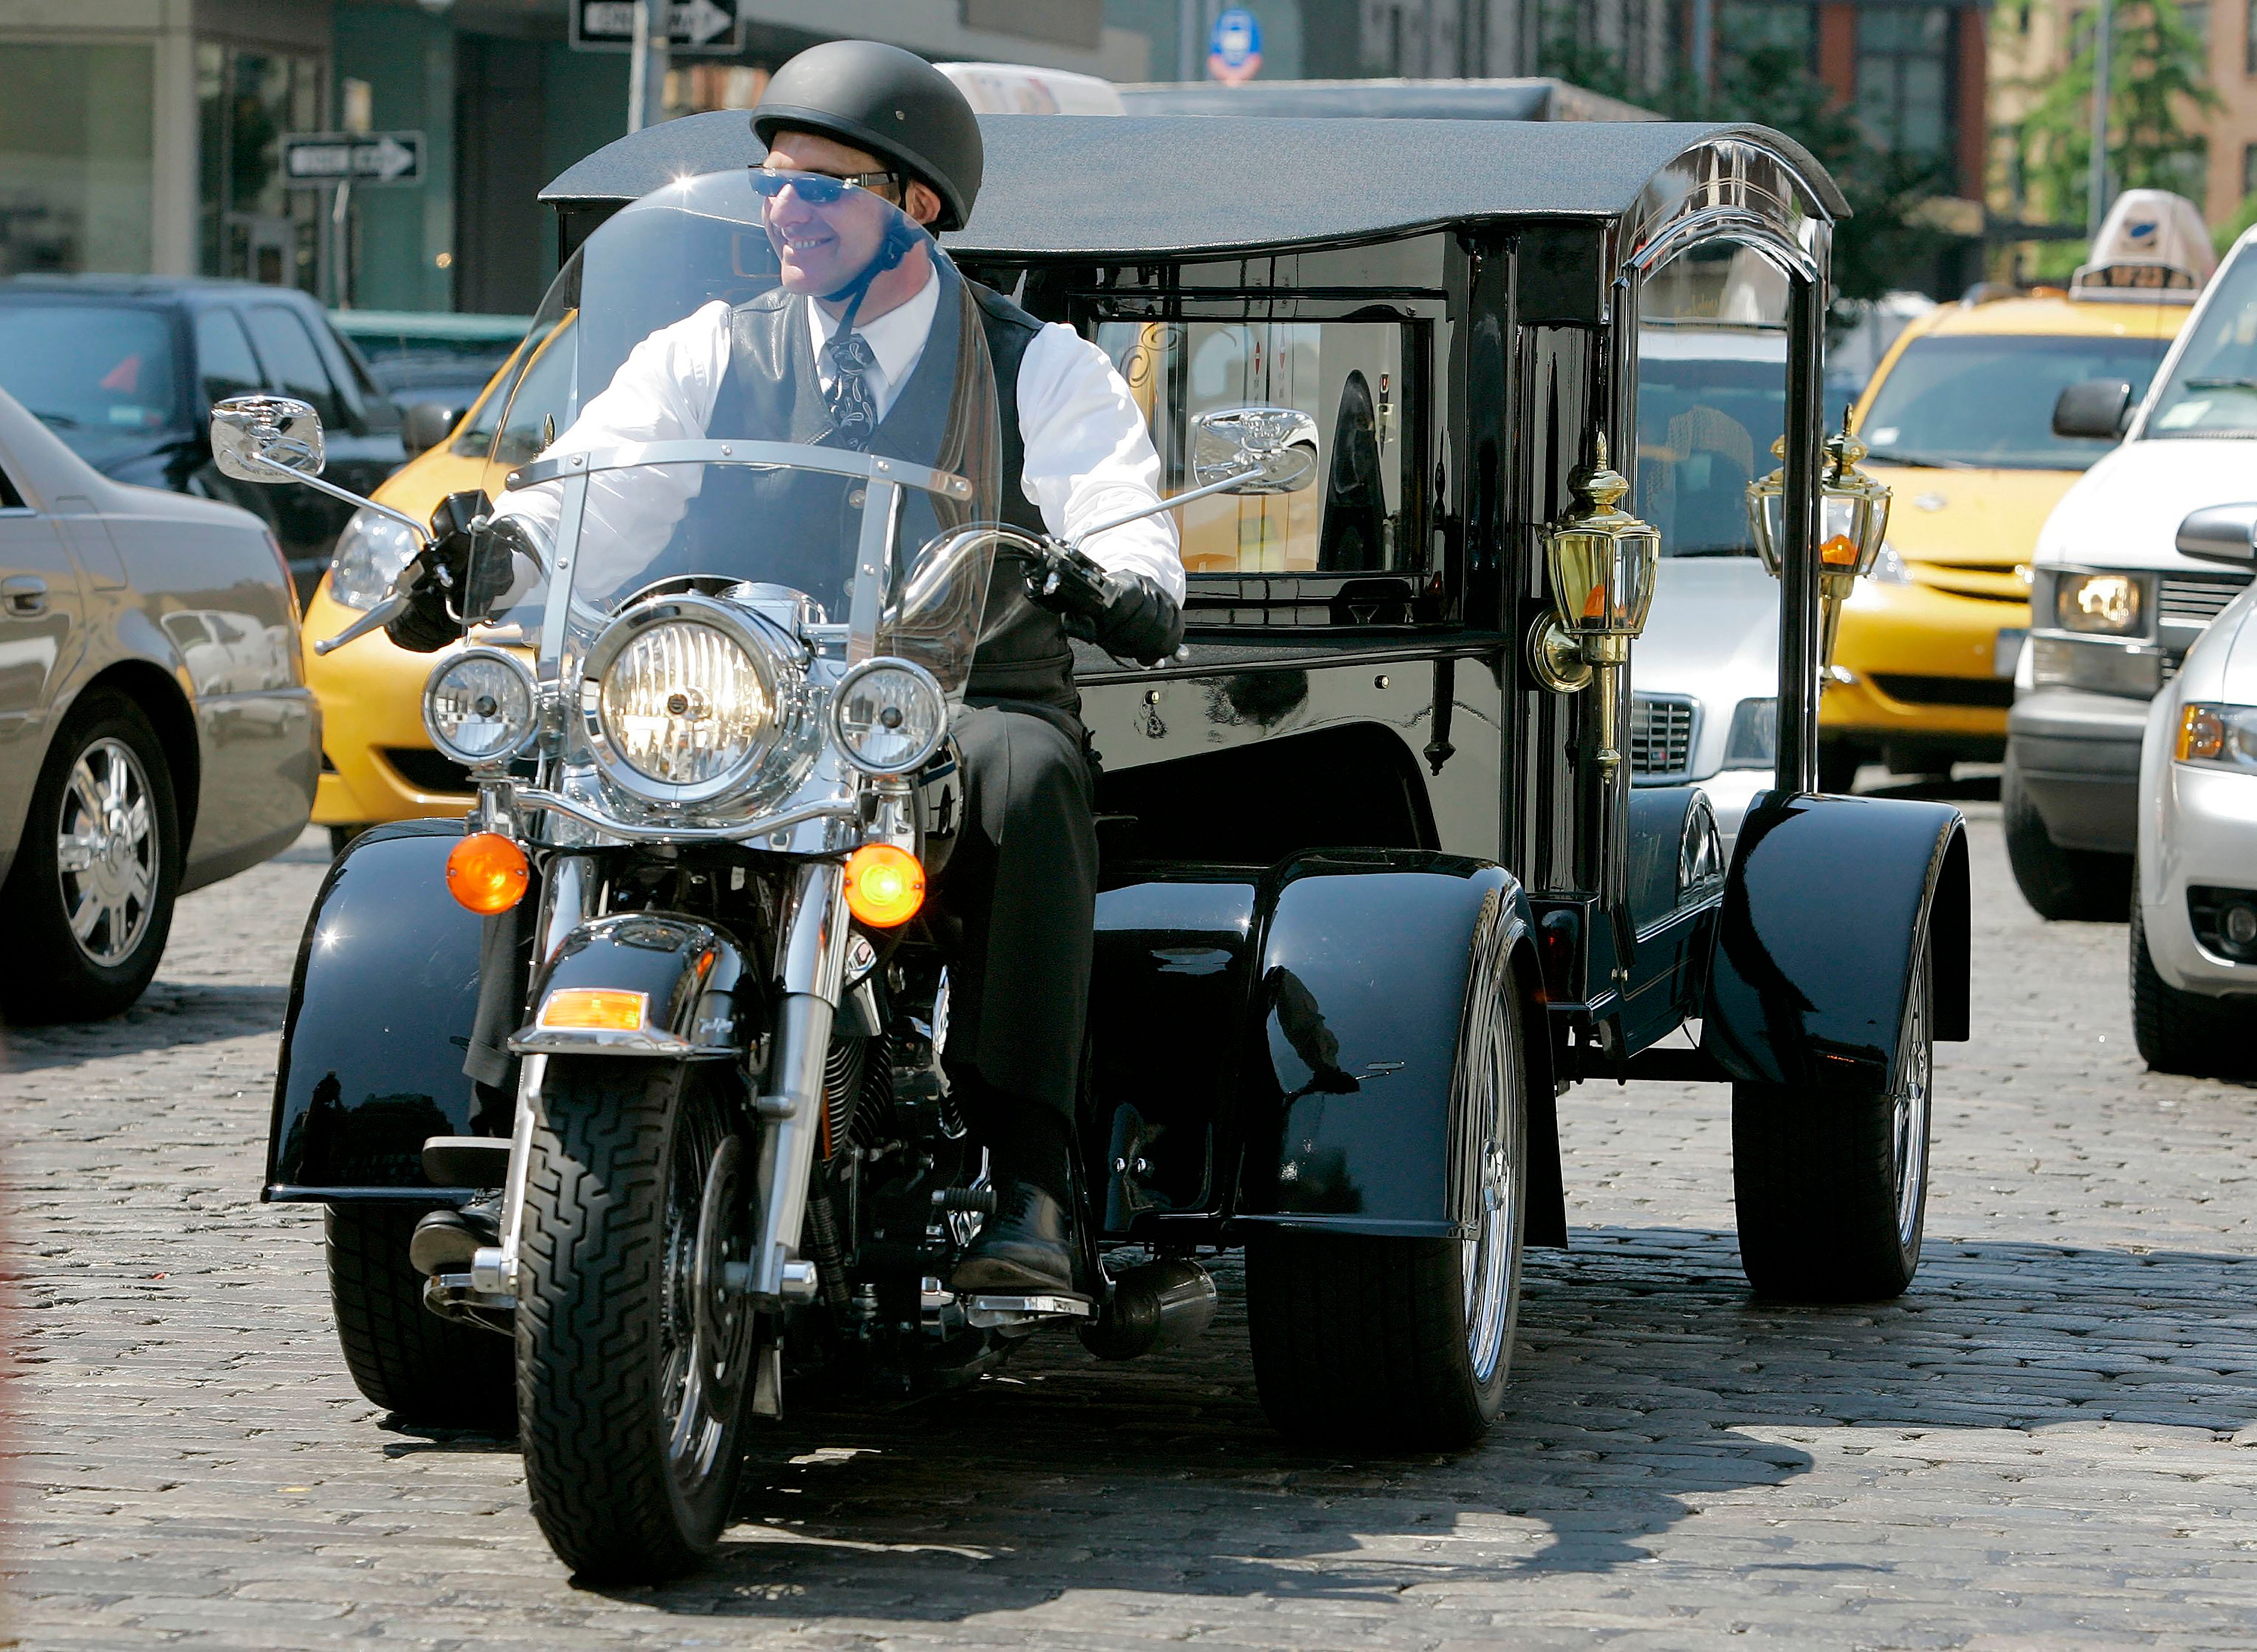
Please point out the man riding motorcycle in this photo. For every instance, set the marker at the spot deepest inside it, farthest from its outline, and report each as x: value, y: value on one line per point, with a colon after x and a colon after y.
x: 849, y: 125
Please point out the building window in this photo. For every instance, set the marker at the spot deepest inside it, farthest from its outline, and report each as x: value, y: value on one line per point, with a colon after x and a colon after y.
x: 1904, y: 78
x: 248, y: 224
x: 76, y: 155
x: 1744, y: 27
x: 2249, y: 38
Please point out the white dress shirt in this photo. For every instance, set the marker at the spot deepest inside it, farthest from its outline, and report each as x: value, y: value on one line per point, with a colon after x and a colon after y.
x: 1088, y: 453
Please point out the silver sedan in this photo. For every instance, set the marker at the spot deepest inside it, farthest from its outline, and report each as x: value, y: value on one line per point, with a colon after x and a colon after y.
x: 156, y: 731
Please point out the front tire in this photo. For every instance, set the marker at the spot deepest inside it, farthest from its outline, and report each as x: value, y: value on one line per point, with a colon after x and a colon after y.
x: 633, y: 1362
x: 92, y: 888
x: 2062, y: 885
x: 437, y: 1372
x: 1831, y: 1182
x: 1406, y: 1343
x: 2184, y: 1031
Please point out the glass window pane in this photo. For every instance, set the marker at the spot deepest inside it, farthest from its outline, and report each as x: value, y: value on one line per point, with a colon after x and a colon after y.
x: 1347, y: 376
x: 75, y: 148
x: 294, y: 366
x: 90, y: 371
x: 1989, y: 401
x: 224, y: 357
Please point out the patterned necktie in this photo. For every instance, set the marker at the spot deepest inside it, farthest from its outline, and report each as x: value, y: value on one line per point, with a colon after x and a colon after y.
x: 853, y: 412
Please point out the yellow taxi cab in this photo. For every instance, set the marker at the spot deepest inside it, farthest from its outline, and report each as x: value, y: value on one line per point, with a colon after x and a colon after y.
x: 1959, y: 420
x: 378, y: 764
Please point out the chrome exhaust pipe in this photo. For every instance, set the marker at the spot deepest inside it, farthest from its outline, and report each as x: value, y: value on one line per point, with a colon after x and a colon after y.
x: 1160, y: 1305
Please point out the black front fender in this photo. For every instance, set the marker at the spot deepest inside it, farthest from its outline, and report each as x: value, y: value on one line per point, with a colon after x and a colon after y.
x: 1825, y: 902
x: 381, y: 1006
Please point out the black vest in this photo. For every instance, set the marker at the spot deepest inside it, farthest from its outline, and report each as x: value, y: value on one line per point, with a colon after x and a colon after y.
x: 806, y: 525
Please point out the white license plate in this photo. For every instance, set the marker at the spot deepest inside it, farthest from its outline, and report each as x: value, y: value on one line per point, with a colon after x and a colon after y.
x: 2007, y: 653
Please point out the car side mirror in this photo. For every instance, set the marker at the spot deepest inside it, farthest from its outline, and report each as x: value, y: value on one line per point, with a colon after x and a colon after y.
x: 1254, y: 449
x: 267, y: 439
x: 426, y: 424
x: 2220, y: 533
x: 2097, y: 408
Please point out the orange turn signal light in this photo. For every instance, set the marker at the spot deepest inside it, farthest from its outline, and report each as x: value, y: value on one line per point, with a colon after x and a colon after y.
x: 885, y: 885
x: 487, y: 872
x: 601, y: 1009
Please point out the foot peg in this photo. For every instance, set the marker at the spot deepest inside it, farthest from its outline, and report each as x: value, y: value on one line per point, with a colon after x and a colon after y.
x: 1019, y: 1314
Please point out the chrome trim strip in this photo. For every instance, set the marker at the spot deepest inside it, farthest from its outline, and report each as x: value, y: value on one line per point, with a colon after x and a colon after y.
x: 534, y: 799
x: 789, y: 455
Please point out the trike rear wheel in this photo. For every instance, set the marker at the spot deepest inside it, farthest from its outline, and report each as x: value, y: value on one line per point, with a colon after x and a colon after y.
x: 1377, y: 1340
x: 1830, y: 1181
x: 434, y: 1372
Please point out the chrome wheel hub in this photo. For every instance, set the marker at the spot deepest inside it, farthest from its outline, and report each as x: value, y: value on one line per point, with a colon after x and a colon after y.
x: 106, y: 851
x: 1908, y: 1097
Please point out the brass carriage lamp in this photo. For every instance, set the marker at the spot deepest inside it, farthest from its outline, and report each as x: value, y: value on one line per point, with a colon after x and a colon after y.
x: 1603, y: 561
x: 1853, y: 520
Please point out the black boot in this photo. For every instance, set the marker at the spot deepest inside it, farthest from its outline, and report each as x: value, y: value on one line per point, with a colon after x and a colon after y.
x: 1026, y: 1247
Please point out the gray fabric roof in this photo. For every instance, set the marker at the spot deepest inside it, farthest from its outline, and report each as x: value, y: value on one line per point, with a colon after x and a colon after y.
x: 1106, y: 186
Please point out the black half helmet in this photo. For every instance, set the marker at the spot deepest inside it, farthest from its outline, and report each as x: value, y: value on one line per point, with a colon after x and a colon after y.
x: 889, y: 101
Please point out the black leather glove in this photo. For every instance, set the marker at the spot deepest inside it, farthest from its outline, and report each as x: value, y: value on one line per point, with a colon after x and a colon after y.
x: 1124, y: 614
x: 456, y: 578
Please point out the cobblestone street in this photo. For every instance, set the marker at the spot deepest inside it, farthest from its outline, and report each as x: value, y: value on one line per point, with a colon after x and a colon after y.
x: 2050, y: 1442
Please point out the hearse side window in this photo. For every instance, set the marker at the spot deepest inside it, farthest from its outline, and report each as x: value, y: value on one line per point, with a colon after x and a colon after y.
x: 1348, y: 376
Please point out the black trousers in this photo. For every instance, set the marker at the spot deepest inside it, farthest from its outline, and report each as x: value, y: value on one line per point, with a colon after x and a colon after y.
x: 1023, y: 881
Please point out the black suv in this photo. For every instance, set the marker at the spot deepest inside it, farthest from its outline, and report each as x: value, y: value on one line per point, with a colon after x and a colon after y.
x: 125, y: 368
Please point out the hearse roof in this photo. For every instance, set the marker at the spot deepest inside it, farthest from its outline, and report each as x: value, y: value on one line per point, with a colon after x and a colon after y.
x: 1108, y: 187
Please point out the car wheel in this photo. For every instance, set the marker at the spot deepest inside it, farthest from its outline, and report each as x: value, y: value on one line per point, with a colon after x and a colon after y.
x: 1838, y: 763
x: 2180, y: 1031
x: 90, y: 895
x: 2061, y: 885
x: 1830, y: 1181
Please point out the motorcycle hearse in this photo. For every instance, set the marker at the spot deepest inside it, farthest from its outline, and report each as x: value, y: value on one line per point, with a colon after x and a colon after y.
x: 667, y: 1019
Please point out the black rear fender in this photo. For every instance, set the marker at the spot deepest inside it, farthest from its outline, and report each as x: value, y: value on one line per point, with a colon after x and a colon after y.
x: 1826, y: 899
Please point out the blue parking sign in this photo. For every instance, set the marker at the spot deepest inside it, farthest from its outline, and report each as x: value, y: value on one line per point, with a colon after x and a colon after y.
x: 1233, y: 51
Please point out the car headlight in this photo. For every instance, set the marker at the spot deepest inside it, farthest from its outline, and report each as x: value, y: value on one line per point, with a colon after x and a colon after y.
x: 370, y: 554
x: 1889, y: 568
x: 2218, y: 736
x: 478, y: 707
x: 888, y: 716
x: 1753, y: 742
x: 2109, y: 604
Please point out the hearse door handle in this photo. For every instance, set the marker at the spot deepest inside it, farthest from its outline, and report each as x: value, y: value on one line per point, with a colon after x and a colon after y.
x: 24, y: 594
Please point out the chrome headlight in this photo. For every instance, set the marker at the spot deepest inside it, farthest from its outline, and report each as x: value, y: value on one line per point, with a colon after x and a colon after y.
x: 479, y: 707
x: 682, y: 699
x: 370, y: 552
x: 888, y: 716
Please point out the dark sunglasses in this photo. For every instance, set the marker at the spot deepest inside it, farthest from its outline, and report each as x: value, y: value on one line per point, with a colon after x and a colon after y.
x: 815, y: 188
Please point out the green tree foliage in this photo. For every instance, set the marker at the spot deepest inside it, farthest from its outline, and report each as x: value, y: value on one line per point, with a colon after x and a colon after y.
x: 1887, y: 240
x: 2158, y: 77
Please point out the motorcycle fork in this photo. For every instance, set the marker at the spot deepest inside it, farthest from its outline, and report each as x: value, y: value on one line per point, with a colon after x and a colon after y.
x: 813, y: 933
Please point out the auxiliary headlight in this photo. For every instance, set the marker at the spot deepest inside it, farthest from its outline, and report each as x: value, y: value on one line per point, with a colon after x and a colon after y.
x: 2108, y: 603
x: 684, y: 704
x: 478, y: 707
x: 888, y: 716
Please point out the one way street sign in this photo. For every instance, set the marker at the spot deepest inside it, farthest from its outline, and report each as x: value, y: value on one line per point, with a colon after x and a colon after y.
x: 357, y: 158
x: 713, y: 27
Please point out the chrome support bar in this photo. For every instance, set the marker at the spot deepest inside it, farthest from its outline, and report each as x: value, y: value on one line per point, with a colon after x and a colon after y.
x: 495, y: 1269
x: 535, y: 801
x: 814, y: 928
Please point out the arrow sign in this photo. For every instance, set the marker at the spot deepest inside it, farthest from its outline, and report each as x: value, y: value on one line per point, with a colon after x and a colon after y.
x: 395, y: 159
x: 713, y: 27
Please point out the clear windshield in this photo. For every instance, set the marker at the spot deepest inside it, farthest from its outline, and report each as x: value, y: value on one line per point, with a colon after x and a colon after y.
x: 2213, y: 390
x: 750, y: 379
x: 1987, y: 400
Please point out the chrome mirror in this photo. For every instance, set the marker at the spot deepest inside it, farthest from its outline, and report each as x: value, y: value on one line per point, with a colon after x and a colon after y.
x: 267, y: 439
x: 1254, y: 449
